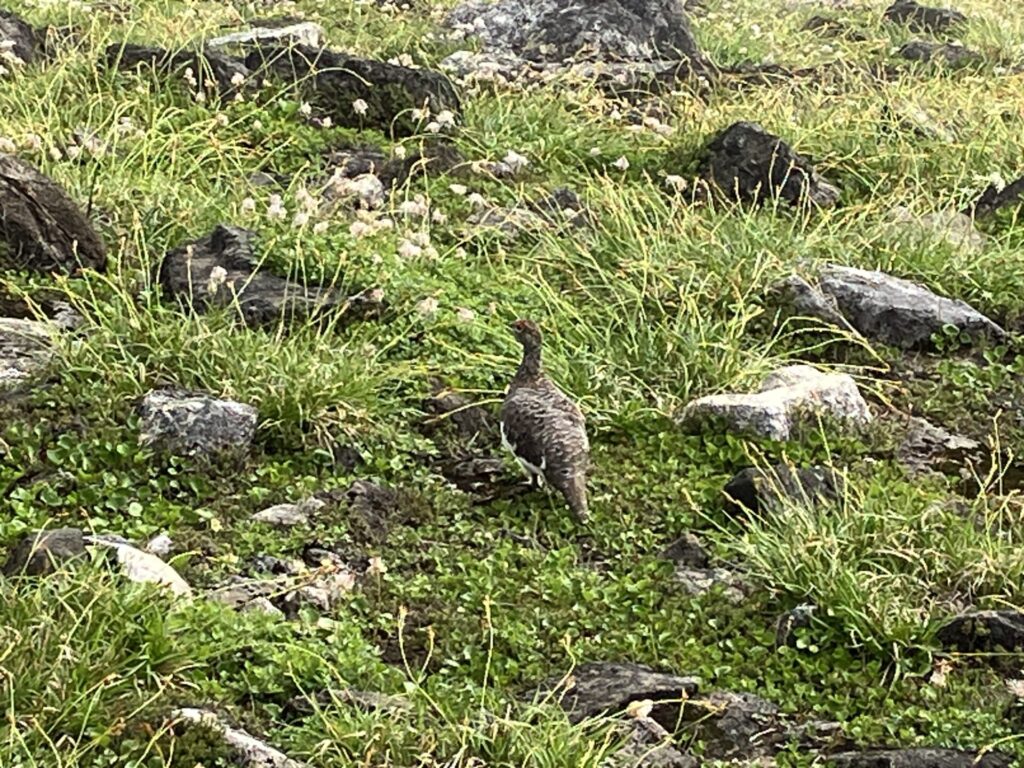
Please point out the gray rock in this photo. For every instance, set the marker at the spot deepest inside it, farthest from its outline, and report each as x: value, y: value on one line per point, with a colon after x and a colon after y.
x: 286, y: 515
x: 919, y: 758
x: 25, y: 348
x: 735, y: 725
x: 746, y: 163
x: 649, y: 746
x: 250, y: 751
x: 44, y: 229
x: 899, y: 312
x: 42, y: 552
x: 802, y: 299
x: 18, y: 37
x: 608, y: 688
x: 923, y: 18
x: 995, y: 196
x: 754, y: 490
x: 332, y: 82
x: 687, y: 551
x: 557, y: 30
x: 371, y: 508
x: 222, y: 270
x: 701, y: 581
x: 928, y: 448
x: 950, y: 54
x: 984, y: 632
x: 788, y: 398
x: 194, y: 423
x: 299, y: 33
x: 143, y: 567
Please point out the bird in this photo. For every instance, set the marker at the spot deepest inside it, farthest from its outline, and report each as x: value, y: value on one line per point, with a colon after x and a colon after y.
x: 543, y: 428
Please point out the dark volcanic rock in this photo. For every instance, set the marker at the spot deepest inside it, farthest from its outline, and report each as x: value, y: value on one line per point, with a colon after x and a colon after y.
x: 19, y: 35
x: 194, y: 423
x: 688, y: 552
x: 735, y: 725
x: 748, y: 164
x: 42, y: 552
x: 943, y: 53
x: 227, y: 74
x: 922, y: 17
x: 332, y: 82
x: 556, y: 30
x: 927, y: 447
x: 994, y: 197
x: 757, y: 490
x: 884, y: 308
x: 608, y: 688
x: 919, y: 758
x: 44, y: 230
x: 649, y: 746
x: 219, y: 270
x: 371, y: 509
x: 984, y: 632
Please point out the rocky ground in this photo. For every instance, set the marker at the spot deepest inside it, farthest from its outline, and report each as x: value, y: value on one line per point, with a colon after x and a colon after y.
x: 257, y: 265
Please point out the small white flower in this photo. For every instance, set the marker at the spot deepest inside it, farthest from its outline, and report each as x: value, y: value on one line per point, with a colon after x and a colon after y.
x: 433, y: 127
x: 237, y: 79
x: 326, y: 122
x: 477, y: 200
x: 622, y: 163
x: 445, y: 117
x: 376, y: 567
x: 399, y: 152
x: 74, y: 151
x: 200, y: 97
x: 458, y: 189
x: 595, y: 151
x: 416, y: 208
x: 409, y: 250
x: 33, y: 142
x: 439, y: 217
x: 996, y: 180
x: 248, y: 206
x: 360, y: 229
x: 275, y: 208
x: 221, y: 119
x: 190, y: 77
x: 300, y: 219
x: 320, y: 227
x: 257, y: 125
x: 8, y: 146
x: 305, y: 109
x: 427, y: 306
x: 420, y: 114
x: 218, y: 276
x: 465, y: 315
x: 56, y: 154
x: 305, y: 200
x: 360, y: 107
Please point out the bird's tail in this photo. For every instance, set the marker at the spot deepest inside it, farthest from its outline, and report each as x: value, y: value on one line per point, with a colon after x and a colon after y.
x: 576, y: 496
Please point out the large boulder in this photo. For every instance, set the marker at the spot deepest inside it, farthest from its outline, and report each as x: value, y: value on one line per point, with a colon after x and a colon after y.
x: 44, y: 230
x: 556, y: 30
x: 919, y: 758
x: 884, y: 308
x: 220, y: 270
x: 608, y: 688
x: 788, y: 398
x: 390, y: 96
x: 922, y: 17
x: 194, y: 423
x: 42, y: 552
x: 746, y: 163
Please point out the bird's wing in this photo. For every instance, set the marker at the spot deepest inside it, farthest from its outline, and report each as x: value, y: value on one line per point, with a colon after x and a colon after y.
x: 546, y: 428
x: 522, y: 424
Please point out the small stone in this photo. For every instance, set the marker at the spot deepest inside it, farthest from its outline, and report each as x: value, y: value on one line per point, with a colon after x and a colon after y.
x: 951, y: 227
x: 160, y: 545
x: 286, y: 515
x: 786, y: 625
x: 195, y: 423
x: 735, y: 725
x: 984, y: 632
x: 788, y: 397
x: 25, y: 349
x: 950, y: 54
x: 923, y: 18
x: 143, y: 567
x: 929, y: 448
x: 40, y: 553
x: 701, y: 581
x: 687, y: 551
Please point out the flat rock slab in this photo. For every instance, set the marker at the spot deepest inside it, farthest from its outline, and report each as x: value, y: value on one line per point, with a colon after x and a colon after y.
x: 930, y: 448
x: 195, y: 423
x: 950, y: 54
x: 44, y: 229
x: 919, y: 758
x: 608, y: 688
x: 143, y: 567
x: 229, y: 75
x: 296, y: 33
x: 746, y: 163
x: 883, y: 308
x: 755, y: 490
x: 42, y: 552
x: 220, y: 270
x: 789, y: 397
x: 332, y: 83
x: 984, y: 632
x: 25, y: 348
x: 922, y: 17
x: 250, y: 751
x: 557, y: 30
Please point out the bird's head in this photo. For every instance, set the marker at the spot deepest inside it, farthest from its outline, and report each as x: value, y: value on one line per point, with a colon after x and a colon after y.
x: 526, y: 332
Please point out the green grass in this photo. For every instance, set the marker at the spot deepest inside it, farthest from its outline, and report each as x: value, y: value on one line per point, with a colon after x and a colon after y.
x: 658, y: 302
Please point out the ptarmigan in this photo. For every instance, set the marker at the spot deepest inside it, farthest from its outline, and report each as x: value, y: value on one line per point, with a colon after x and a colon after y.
x: 543, y: 428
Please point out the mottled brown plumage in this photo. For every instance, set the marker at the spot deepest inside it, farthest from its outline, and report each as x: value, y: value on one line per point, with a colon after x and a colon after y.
x: 543, y: 428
